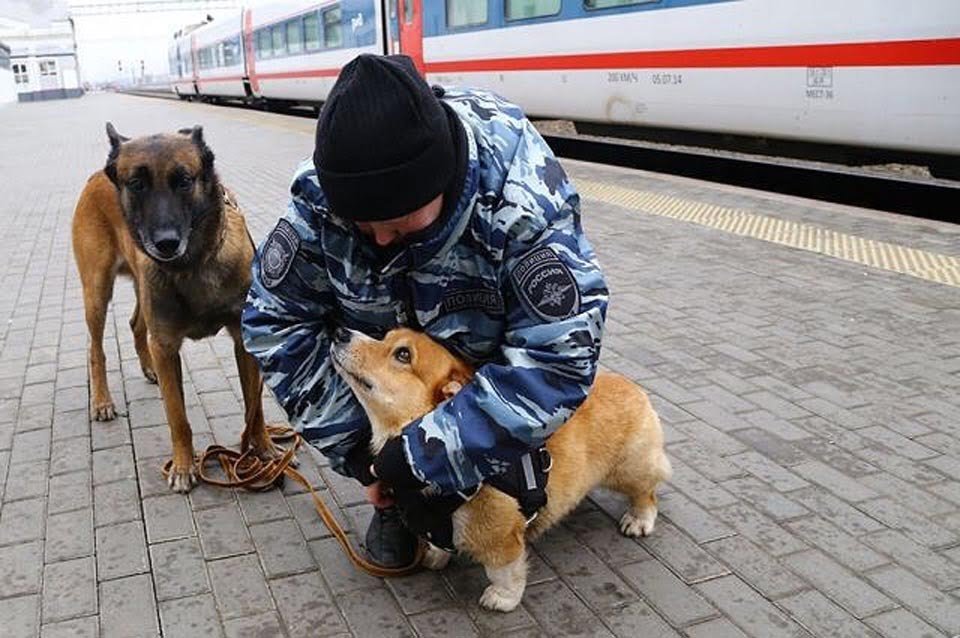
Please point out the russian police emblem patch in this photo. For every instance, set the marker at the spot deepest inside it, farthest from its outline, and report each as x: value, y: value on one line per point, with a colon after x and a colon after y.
x: 278, y: 253
x: 545, y: 285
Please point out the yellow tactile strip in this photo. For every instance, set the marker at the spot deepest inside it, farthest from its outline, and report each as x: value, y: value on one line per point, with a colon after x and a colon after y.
x: 944, y: 269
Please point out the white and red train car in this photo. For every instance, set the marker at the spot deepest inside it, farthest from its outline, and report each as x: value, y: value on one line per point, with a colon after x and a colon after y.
x: 871, y: 73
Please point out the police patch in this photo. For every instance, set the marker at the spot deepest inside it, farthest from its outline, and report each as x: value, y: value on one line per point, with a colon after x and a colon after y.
x: 545, y: 285
x: 278, y: 252
x: 485, y: 299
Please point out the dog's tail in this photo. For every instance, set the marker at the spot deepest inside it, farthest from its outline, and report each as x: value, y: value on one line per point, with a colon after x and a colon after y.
x: 665, y: 467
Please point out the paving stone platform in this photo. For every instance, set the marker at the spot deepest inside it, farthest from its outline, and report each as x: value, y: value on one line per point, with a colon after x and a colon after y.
x: 811, y: 406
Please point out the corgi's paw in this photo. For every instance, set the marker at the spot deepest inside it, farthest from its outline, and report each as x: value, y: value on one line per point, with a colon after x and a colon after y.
x: 638, y: 525
x: 497, y: 598
x: 435, y: 558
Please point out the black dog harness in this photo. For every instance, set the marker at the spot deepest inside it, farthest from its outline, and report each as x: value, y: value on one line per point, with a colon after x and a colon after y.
x: 431, y: 517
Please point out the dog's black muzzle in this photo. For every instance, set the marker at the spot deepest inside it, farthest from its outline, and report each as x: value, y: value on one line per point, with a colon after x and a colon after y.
x: 166, y: 242
x: 341, y: 336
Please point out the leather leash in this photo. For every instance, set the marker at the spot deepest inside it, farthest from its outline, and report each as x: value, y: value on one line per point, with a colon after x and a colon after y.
x: 247, y: 471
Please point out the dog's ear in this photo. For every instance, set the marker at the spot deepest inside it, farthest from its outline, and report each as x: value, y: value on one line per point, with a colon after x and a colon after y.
x: 196, y: 136
x: 115, y: 138
x: 116, y: 141
x: 453, y: 384
x: 450, y: 388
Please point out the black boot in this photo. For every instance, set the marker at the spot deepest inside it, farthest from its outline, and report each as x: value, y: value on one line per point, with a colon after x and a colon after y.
x: 389, y: 542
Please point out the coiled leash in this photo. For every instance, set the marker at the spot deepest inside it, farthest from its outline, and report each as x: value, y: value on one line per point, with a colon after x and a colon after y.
x: 247, y: 471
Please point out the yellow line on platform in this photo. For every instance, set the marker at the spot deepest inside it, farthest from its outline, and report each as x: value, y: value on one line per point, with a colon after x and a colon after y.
x: 943, y: 269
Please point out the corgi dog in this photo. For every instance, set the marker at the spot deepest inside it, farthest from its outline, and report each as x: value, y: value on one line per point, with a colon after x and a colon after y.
x: 613, y: 440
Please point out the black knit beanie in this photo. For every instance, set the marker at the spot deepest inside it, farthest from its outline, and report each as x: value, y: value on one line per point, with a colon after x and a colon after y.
x: 383, y: 147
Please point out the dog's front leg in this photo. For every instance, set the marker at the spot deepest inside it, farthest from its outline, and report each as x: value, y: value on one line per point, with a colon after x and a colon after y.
x: 96, y: 296
x: 435, y: 558
x: 165, y: 353
x: 254, y: 436
x: 138, y: 324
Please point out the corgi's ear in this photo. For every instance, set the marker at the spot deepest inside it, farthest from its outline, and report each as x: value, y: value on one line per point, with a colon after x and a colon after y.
x: 453, y: 384
x: 450, y: 389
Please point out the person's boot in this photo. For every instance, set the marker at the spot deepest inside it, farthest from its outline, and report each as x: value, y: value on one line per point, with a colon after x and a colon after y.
x: 389, y: 542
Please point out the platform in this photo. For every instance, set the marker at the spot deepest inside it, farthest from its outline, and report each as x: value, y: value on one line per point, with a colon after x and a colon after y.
x: 805, y: 360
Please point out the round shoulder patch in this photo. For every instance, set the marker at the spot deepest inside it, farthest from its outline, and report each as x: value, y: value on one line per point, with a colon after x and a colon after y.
x: 545, y: 285
x: 277, y: 254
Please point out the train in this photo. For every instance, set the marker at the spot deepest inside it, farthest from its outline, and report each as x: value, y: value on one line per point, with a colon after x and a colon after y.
x: 880, y: 74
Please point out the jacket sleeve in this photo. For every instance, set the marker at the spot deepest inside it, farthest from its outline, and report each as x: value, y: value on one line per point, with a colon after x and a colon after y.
x: 555, y: 300
x: 287, y: 323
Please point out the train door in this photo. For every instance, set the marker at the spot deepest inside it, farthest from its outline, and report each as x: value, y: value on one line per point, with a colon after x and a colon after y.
x: 411, y: 31
x: 194, y: 60
x: 251, y: 87
x: 391, y: 27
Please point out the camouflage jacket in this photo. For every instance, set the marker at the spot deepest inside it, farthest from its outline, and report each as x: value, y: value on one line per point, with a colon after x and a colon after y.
x: 509, y: 282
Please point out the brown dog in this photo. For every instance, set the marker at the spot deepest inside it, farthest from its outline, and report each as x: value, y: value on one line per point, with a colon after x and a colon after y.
x: 614, y: 439
x: 157, y: 212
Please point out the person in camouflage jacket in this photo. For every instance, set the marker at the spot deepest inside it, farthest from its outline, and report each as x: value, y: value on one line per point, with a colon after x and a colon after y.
x: 499, y: 271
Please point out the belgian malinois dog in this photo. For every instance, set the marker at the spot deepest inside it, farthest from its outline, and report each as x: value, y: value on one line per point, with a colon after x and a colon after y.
x: 158, y: 213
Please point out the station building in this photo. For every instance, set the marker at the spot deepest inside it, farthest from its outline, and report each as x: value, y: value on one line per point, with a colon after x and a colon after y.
x: 8, y: 88
x: 43, y: 59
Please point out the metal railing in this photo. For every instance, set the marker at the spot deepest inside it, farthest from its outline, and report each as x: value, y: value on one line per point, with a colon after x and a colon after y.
x: 111, y: 7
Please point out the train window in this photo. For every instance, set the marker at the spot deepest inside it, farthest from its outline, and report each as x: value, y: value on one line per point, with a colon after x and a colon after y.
x: 332, y: 32
x: 279, y: 40
x: 465, y: 13
x: 609, y: 4
x: 311, y: 30
x: 264, y: 45
x: 408, y: 11
x: 294, y: 36
x: 231, y: 51
x: 523, y: 9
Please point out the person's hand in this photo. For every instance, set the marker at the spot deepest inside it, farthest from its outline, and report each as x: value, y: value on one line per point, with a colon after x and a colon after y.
x: 379, y: 495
